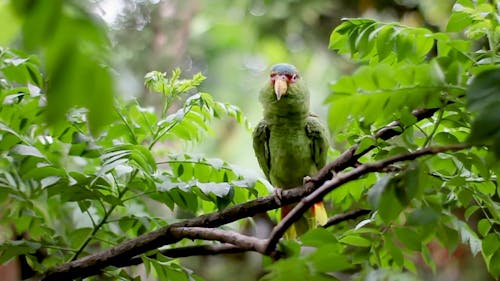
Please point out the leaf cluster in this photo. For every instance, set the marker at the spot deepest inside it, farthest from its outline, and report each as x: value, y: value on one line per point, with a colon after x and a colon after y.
x: 422, y: 203
x: 67, y: 192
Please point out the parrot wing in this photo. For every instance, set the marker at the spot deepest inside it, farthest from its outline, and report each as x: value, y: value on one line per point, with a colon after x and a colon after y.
x: 261, y: 136
x: 316, y: 132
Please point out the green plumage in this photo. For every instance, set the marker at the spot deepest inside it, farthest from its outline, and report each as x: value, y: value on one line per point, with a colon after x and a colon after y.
x: 289, y: 143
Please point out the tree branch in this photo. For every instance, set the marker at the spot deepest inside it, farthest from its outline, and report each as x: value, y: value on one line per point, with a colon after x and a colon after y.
x: 114, y: 256
x: 119, y: 254
x: 339, y: 179
x: 189, y: 251
x: 218, y: 249
x: 244, y: 242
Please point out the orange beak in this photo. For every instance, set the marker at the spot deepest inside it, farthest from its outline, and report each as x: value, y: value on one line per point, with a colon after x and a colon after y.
x: 280, y: 86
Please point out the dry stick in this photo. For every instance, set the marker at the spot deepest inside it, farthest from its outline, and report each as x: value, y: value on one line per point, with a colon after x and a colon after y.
x: 93, y: 264
x: 339, y: 179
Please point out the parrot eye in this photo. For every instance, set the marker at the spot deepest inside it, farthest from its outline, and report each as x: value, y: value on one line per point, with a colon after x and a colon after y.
x: 291, y: 77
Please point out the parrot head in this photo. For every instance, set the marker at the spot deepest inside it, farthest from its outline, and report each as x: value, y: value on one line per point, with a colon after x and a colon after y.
x: 282, y: 76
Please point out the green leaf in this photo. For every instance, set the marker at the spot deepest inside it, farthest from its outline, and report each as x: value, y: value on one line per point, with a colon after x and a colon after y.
x: 143, y: 157
x: 379, y: 93
x: 74, y: 193
x: 14, y: 248
x: 79, y: 235
x: 445, y: 138
x: 458, y: 22
x: 220, y: 189
x: 74, y: 63
x: 365, y: 143
x: 317, y: 237
x: 43, y: 172
x: 423, y: 216
x: 175, y: 272
x: 487, y: 188
x: 471, y: 210
x: 426, y: 255
x: 376, y: 191
x: 291, y: 269
x: 385, y: 41
x: 467, y: 235
x: 323, y: 256
x: 50, y: 181
x: 483, y: 227
x: 483, y: 90
x: 356, y: 240
x: 408, y: 237
x: 491, y: 250
x: 26, y: 150
x: 389, y: 206
x: 180, y: 170
x: 491, y: 244
x: 359, y: 36
x: 494, y: 265
x: 410, y: 186
x: 448, y: 237
x: 394, y: 251
x: 483, y: 96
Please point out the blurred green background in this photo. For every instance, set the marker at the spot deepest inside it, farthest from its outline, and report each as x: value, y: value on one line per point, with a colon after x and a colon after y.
x: 234, y: 43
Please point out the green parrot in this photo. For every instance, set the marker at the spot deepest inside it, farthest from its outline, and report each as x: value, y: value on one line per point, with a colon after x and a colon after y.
x: 290, y: 143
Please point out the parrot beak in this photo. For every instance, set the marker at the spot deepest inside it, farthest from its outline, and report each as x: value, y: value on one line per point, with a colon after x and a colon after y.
x: 280, y: 87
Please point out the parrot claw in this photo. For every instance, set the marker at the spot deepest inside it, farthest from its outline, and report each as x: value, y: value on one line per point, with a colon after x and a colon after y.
x: 278, y: 195
x: 306, y: 180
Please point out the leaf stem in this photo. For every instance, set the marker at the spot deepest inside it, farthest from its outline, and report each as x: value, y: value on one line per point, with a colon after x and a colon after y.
x: 131, y: 132
x: 162, y: 131
x: 193, y: 162
x: 103, y: 221
x: 434, y: 130
x: 91, y: 218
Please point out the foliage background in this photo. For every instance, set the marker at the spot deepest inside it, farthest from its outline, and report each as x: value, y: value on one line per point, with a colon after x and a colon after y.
x: 233, y: 43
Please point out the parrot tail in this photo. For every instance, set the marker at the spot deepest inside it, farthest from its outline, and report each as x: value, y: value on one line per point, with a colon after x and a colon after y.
x: 319, y: 213
x: 317, y: 217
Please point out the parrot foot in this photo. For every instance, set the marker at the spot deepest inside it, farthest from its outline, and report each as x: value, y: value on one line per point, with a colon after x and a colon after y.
x: 278, y: 194
x: 307, y: 179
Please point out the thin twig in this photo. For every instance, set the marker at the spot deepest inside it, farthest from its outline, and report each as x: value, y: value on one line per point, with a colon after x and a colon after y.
x: 346, y: 216
x: 349, y: 157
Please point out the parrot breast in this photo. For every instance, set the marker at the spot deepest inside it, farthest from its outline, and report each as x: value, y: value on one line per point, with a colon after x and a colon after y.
x: 290, y: 155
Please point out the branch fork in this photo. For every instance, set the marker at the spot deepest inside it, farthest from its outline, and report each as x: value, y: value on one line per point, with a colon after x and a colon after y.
x: 205, y: 226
